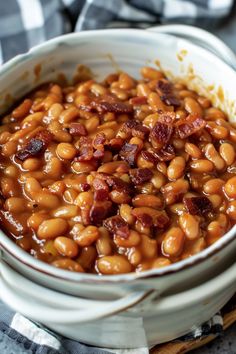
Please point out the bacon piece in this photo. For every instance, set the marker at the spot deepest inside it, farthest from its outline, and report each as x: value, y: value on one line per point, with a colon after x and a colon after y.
x: 145, y: 219
x: 161, y: 134
x: 115, y: 144
x: 149, y: 156
x: 140, y: 175
x: 85, y: 187
x: 126, y: 128
x: 98, y: 154
x: 198, y: 205
x: 117, y: 183
x: 189, y: 126
x: 159, y: 218
x: 77, y: 129
x: 85, y: 149
x: 165, y: 154
x: 116, y: 107
x: 101, y: 190
x: 99, y: 211
x: 117, y: 226
x: 165, y: 91
x: 140, y: 131
x: 138, y: 101
x: 36, y: 146
x: 129, y: 153
x: 99, y: 141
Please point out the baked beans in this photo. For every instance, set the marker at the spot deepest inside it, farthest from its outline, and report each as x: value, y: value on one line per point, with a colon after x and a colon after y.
x: 116, y: 176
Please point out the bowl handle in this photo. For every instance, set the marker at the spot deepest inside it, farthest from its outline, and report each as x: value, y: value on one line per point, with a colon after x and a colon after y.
x: 200, y: 37
x: 48, y: 306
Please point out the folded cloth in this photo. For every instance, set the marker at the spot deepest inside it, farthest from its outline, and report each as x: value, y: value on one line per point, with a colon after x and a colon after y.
x: 25, y: 23
x: 19, y: 335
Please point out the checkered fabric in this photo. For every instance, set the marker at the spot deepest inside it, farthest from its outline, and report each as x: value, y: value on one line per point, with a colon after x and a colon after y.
x: 25, y: 23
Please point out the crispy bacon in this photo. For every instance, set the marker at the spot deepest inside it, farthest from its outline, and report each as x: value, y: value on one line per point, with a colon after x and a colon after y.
x: 165, y: 154
x: 198, y: 205
x: 98, y: 154
x: 129, y: 153
x: 85, y: 187
x: 36, y: 146
x: 165, y: 91
x: 138, y: 101
x: 117, y: 183
x: 140, y: 131
x: 99, y: 141
x: 117, y: 226
x: 115, y: 144
x: 101, y: 190
x: 189, y: 126
x: 145, y: 219
x: 161, y: 134
x: 99, y: 211
x: 140, y: 175
x: 127, y: 127
x: 77, y: 129
x: 116, y: 107
x: 149, y: 156
x: 85, y: 151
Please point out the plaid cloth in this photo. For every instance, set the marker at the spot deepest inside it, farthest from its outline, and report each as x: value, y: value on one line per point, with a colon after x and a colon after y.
x: 25, y: 23
x: 18, y: 335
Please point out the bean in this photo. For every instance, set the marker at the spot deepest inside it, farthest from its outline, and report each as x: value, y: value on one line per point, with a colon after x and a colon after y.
x: 213, y: 186
x: 126, y: 213
x: 190, y: 226
x: 31, y: 164
x: 68, y: 264
x: 151, y: 73
x: 134, y: 256
x: 15, y: 205
x: 66, y: 212
x: 231, y: 210
x: 133, y: 240
x: 148, y: 247
x: 52, y: 228
x: 161, y: 262
x: 36, y: 219
x: 146, y: 200
x: 114, y: 166
x: 104, y: 246
x: 176, y: 168
x: 193, y: 150
x: 156, y: 103
x: 192, y: 106
x: 22, y: 110
x: 66, y: 247
x: 216, y: 200
x: 11, y: 171
x: 83, y: 167
x: 53, y: 168
x: 113, y: 265
x: 230, y: 187
x: 46, y: 200
x: 87, y: 236
x: 227, y: 152
x: 213, y: 155
x: 173, y: 242
x: 68, y: 115
x: 9, y: 148
x: 87, y: 257
x: 66, y: 151
x: 202, y: 166
x: 125, y: 81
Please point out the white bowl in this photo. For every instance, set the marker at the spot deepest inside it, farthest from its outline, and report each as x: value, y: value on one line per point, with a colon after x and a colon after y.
x: 103, y: 51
